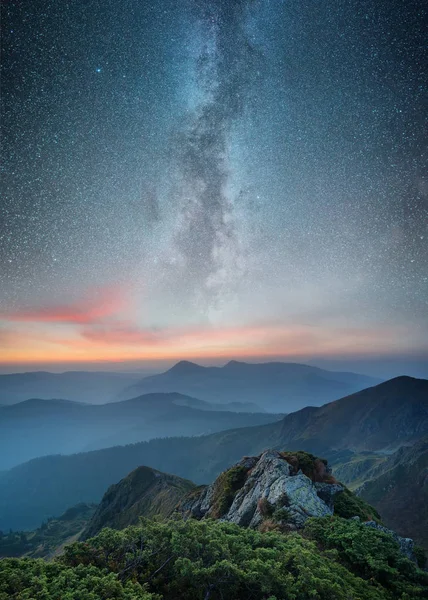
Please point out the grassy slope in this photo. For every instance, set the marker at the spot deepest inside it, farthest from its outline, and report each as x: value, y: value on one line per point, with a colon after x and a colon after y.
x: 143, y: 493
x: 400, y: 492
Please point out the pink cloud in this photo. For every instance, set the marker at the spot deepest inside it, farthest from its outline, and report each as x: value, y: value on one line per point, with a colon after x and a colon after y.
x: 99, y: 304
x: 119, y: 333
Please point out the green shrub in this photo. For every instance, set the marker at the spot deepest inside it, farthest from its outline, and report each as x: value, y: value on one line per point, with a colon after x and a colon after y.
x: 349, y: 505
x: 226, y: 486
x: 194, y: 560
x: 370, y: 554
x: 35, y: 579
x: 201, y: 560
x: 281, y: 515
x: 421, y: 556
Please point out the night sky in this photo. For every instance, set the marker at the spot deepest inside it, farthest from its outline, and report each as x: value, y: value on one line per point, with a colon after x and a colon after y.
x: 213, y: 179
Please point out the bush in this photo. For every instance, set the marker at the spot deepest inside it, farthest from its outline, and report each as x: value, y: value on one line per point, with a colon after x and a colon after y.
x: 370, y: 554
x: 347, y: 505
x: 201, y: 560
x: 266, y: 509
x: 34, y: 579
x: 421, y: 556
x: 194, y: 560
x: 281, y: 515
x: 226, y: 486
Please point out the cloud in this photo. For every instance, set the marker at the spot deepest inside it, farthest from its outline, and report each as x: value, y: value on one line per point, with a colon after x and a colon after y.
x: 120, y: 334
x: 99, y: 304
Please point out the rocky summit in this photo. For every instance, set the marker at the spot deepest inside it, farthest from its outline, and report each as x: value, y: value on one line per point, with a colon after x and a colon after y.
x: 286, y: 488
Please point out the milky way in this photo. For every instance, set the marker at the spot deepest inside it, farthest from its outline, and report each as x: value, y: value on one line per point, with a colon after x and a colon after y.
x: 223, y: 164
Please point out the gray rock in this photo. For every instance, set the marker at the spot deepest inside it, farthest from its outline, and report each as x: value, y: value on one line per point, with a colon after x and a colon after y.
x: 197, y: 506
x: 327, y: 492
x: 271, y: 477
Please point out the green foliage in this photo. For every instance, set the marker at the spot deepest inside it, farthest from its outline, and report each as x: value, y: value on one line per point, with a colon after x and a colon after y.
x: 35, y: 579
x: 201, y: 560
x: 194, y: 560
x: 370, y: 554
x: 349, y: 505
x: 281, y: 515
x: 421, y: 556
x: 226, y: 486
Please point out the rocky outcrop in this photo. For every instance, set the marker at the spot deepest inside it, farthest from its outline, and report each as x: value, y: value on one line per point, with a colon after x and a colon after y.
x: 271, y: 486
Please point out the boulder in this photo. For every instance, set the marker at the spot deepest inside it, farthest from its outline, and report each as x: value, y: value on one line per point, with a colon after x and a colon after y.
x: 270, y: 488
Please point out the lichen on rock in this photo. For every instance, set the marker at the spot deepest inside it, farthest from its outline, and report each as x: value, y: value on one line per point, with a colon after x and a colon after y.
x: 268, y: 486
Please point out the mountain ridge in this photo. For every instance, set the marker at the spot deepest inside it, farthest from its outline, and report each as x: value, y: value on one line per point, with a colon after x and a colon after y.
x: 271, y: 385
x: 40, y: 427
x: 199, y: 459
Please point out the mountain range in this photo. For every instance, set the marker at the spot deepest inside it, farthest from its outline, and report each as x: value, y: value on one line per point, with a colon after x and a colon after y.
x: 378, y: 420
x: 38, y: 427
x: 275, y: 386
x: 82, y: 386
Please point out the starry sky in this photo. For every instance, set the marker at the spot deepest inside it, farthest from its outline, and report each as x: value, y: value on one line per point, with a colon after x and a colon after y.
x: 212, y: 179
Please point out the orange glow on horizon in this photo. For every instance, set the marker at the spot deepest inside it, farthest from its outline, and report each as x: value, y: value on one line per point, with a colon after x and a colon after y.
x: 247, y: 342
x: 102, y: 328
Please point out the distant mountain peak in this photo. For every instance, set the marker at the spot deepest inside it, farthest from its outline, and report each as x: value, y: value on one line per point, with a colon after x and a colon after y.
x: 185, y: 366
x: 402, y: 383
x: 400, y: 379
x: 233, y: 363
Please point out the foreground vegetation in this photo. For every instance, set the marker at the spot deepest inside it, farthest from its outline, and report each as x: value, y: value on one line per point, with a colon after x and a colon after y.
x: 333, y: 559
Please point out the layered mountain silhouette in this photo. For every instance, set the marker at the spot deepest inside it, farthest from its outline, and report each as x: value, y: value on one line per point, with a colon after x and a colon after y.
x: 379, y: 420
x: 39, y: 427
x: 82, y: 386
x: 275, y: 386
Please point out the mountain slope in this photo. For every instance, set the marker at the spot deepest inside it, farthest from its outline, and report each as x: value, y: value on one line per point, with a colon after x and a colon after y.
x: 281, y: 387
x: 58, y: 482
x: 144, y: 492
x: 378, y: 418
x: 399, y: 490
x: 53, y: 534
x: 40, y: 427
